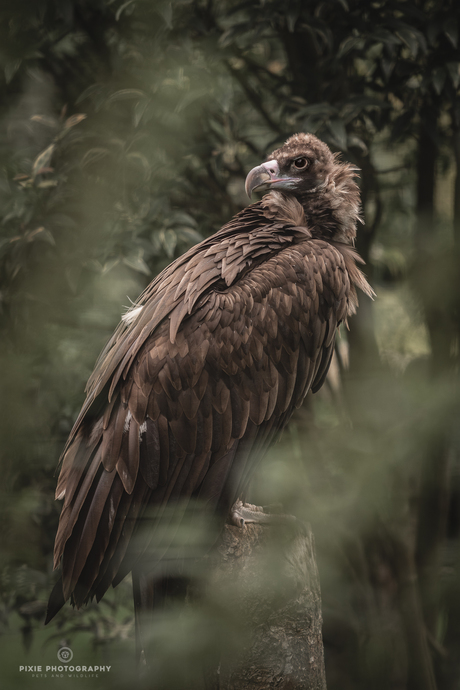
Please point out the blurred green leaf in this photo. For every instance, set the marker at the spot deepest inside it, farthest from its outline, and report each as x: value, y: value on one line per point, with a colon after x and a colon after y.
x: 74, y: 120
x: 111, y: 264
x: 451, y: 30
x: 339, y: 133
x: 94, y: 155
x: 124, y: 95
x: 438, y: 79
x: 410, y: 39
x: 139, y: 158
x: 42, y: 160
x: 137, y: 263
x: 139, y: 110
x: 45, y: 120
x: 191, y: 97
x: 40, y: 234
x: 122, y: 8
x: 46, y: 184
x: 178, y: 217
x: 168, y: 239
x: 10, y: 69
x: 165, y: 10
x: 454, y: 73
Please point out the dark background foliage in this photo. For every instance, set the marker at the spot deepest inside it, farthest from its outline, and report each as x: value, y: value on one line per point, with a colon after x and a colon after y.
x: 126, y: 131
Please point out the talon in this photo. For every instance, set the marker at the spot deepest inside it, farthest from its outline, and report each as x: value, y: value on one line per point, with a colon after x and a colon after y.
x: 236, y: 516
x: 246, y: 513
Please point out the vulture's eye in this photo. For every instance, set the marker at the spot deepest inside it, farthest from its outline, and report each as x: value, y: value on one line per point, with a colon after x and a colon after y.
x: 300, y: 163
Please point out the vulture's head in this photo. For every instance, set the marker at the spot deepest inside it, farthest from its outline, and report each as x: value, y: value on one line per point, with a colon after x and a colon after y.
x: 306, y: 169
x: 303, y: 164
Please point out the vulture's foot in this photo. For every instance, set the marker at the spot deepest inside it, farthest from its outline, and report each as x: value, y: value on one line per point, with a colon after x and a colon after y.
x: 246, y: 513
x: 242, y: 514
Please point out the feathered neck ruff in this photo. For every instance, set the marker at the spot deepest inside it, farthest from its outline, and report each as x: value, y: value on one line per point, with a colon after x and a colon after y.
x: 330, y: 211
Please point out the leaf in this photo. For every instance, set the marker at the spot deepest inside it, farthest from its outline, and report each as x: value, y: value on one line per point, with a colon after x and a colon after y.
x: 218, y: 128
x: 421, y: 40
x: 94, y: 265
x: 454, y: 73
x: 140, y: 158
x: 42, y: 160
x: 94, y: 155
x: 125, y: 95
x: 432, y: 32
x: 189, y: 235
x: 156, y: 243
x: 111, y: 263
x: 168, y: 239
x: 325, y: 35
x: 356, y: 142
x: 339, y: 133
x: 324, y: 109
x: 120, y: 10
x: 24, y: 184
x: 190, y: 97
x: 166, y: 12
x: 74, y: 120
x: 41, y: 234
x: 291, y: 19
x: 385, y: 36
x: 387, y: 67
x: 180, y: 217
x: 348, y: 44
x: 409, y: 39
x: 73, y: 274
x: 93, y: 90
x: 137, y: 263
x: 45, y: 184
x: 438, y: 78
x: 139, y: 110
x: 451, y: 30
x: 44, y: 120
x: 11, y: 68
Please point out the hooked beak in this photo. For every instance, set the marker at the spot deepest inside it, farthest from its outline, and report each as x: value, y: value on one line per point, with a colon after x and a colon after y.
x: 267, y: 176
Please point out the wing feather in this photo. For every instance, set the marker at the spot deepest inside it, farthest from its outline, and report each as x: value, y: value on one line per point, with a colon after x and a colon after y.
x: 150, y: 448
x: 112, y: 438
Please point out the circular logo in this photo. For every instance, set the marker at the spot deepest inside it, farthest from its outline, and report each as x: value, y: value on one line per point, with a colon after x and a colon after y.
x: 65, y: 655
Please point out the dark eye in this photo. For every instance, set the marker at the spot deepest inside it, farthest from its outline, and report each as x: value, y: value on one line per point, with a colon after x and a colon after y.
x: 300, y: 163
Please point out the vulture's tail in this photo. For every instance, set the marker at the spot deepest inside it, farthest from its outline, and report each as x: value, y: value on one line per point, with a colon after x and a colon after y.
x: 55, y: 602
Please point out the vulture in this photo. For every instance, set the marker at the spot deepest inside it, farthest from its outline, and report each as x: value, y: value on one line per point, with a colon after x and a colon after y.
x: 205, y: 370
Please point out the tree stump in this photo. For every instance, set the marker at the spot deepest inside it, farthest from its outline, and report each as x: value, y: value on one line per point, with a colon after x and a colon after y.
x: 271, y: 582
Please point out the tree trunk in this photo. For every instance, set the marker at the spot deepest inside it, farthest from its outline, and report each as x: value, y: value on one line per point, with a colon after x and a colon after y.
x: 274, y: 590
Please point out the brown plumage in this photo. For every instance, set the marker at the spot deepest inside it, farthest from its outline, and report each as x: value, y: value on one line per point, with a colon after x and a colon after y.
x: 208, y: 366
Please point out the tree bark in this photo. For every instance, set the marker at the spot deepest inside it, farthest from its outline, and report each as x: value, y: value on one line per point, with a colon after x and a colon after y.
x: 272, y: 581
